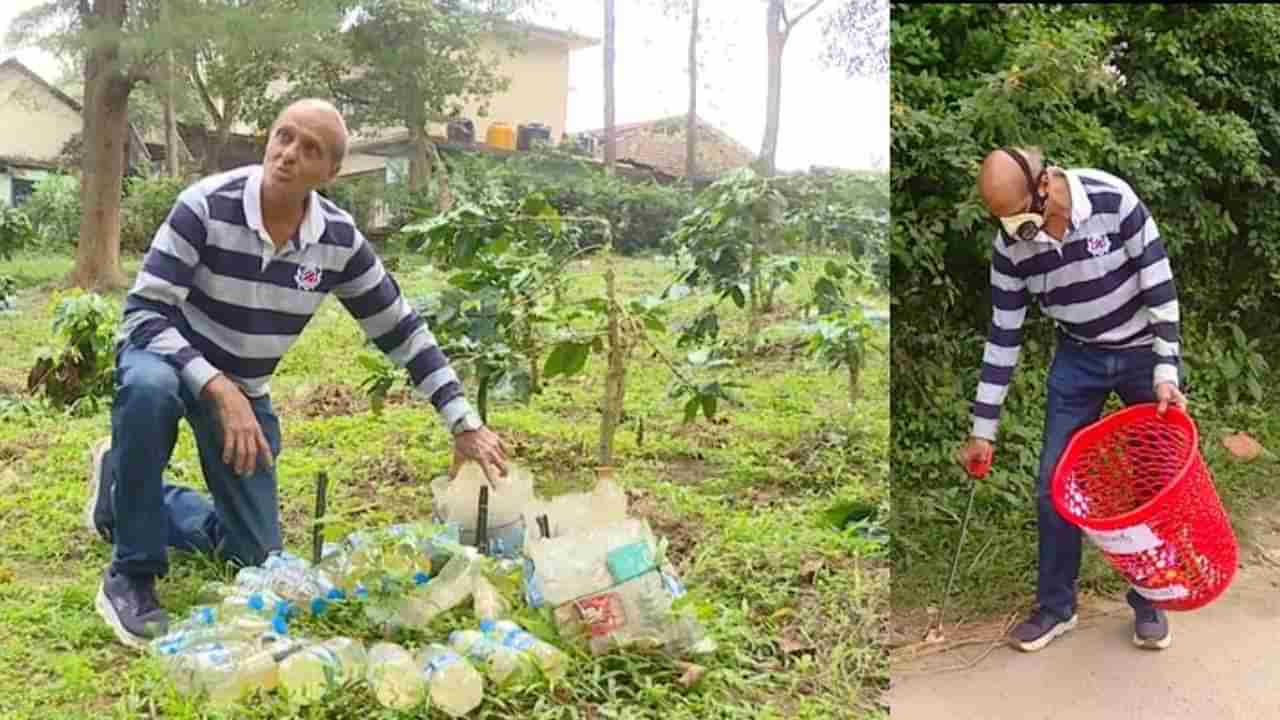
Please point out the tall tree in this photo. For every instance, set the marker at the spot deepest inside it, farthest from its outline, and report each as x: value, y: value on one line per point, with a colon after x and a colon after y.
x: 120, y: 44
x: 420, y: 62
x: 691, y: 124
x: 778, y: 27
x: 858, y: 38
x: 610, y: 133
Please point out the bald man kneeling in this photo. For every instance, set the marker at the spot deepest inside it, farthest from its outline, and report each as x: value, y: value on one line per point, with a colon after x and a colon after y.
x: 233, y: 275
x: 1083, y: 246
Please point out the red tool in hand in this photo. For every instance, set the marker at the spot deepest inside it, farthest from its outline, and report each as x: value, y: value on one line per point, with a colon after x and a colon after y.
x: 977, y: 469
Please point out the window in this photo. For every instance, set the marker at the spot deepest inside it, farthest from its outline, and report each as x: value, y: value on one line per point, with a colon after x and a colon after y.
x: 22, y: 189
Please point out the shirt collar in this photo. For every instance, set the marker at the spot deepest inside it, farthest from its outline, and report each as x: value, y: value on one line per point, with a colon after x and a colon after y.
x: 313, y: 222
x: 1081, y: 205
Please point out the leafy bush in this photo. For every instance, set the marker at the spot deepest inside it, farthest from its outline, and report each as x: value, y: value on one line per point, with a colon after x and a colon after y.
x: 78, y: 367
x: 146, y: 205
x: 54, y: 209
x: 16, y: 231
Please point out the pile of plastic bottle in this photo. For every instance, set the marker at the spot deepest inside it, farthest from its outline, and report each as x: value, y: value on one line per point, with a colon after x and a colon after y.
x: 603, y: 574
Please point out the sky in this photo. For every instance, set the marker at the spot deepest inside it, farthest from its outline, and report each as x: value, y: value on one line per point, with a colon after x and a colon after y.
x: 827, y: 118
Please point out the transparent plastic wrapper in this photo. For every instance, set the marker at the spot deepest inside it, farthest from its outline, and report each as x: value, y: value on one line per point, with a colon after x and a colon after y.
x: 454, y: 686
x: 574, y: 513
x: 560, y: 569
x: 393, y: 675
x: 459, y: 502
x: 307, y: 674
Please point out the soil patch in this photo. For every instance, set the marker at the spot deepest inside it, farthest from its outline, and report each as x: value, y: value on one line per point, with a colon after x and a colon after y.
x: 331, y: 399
x: 682, y: 534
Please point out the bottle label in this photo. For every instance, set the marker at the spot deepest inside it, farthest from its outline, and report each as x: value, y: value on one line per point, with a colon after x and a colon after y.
x: 603, y: 613
x: 1125, y: 541
x: 519, y: 640
x: 440, y: 662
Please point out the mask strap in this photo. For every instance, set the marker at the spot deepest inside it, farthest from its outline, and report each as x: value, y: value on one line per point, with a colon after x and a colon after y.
x: 1026, y: 169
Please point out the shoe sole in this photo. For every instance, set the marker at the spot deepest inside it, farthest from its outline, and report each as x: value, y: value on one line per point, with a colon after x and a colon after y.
x: 95, y: 484
x: 1058, y: 630
x: 108, y: 613
x: 1160, y: 644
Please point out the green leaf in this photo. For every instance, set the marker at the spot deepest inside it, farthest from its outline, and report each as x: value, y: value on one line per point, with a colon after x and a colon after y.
x: 691, y: 408
x: 709, y: 406
x: 567, y: 358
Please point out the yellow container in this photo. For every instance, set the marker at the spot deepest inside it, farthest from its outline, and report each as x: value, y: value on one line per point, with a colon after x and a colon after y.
x: 501, y: 135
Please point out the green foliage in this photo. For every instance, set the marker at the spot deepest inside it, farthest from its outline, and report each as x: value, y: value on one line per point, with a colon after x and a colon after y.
x: 8, y: 293
x: 724, y: 244
x: 507, y: 267
x: 146, y: 205
x: 78, y: 366
x: 54, y: 209
x: 16, y: 231
x: 1231, y: 369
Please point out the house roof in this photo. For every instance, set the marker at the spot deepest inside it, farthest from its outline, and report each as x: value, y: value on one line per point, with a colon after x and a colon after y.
x: 137, y: 146
x: 660, y: 144
x: 573, y: 40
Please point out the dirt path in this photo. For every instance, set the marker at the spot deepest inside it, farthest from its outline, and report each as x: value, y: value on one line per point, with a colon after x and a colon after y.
x: 1224, y: 663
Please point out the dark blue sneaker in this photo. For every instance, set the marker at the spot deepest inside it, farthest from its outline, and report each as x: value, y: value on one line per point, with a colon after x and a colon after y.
x: 1040, y: 629
x: 1150, y: 626
x: 98, y: 515
x: 129, y: 605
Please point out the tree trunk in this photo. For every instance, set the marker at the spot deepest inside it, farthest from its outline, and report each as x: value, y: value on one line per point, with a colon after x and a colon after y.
x: 615, y: 379
x: 854, y: 360
x: 106, y: 130
x: 753, y: 296
x: 691, y: 126
x: 776, y: 33
x: 172, y: 166
x: 420, y: 162
x: 610, y: 141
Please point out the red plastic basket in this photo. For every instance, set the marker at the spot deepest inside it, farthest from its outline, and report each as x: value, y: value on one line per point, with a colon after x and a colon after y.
x: 1136, y: 484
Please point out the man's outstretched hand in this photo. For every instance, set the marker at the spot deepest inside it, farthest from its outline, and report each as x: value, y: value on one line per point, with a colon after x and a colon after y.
x: 1166, y: 393
x: 482, y: 446
x: 976, y: 457
x: 244, y: 447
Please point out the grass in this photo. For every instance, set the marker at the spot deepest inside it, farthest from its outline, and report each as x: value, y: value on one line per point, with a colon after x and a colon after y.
x: 797, y: 606
x: 997, y: 570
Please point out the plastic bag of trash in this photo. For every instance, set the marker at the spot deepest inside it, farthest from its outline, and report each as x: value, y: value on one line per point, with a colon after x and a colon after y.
x: 572, y: 513
x: 459, y: 501
x: 570, y: 566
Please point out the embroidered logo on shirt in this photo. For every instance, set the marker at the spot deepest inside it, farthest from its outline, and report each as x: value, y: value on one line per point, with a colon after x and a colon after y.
x: 1099, y: 246
x: 307, y: 277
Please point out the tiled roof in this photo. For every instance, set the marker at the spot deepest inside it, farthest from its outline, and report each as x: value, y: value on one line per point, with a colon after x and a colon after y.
x: 660, y: 144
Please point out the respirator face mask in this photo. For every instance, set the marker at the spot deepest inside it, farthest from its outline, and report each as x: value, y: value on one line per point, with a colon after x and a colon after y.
x: 1026, y: 225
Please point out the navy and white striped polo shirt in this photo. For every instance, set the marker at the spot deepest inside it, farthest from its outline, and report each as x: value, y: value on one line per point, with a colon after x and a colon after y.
x: 1107, y: 284
x: 214, y: 296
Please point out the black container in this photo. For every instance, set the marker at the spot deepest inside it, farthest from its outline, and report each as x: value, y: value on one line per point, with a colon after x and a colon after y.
x: 528, y: 134
x: 463, y: 131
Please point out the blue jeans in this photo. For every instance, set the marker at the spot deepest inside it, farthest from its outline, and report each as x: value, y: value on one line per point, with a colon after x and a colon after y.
x: 1080, y: 380
x: 241, y: 523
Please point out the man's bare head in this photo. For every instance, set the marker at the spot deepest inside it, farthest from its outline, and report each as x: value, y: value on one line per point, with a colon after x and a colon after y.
x: 1003, y: 184
x: 305, y: 149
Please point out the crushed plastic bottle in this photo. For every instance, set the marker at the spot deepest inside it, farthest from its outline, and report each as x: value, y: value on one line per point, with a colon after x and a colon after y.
x: 424, y: 603
x: 306, y: 675
x: 393, y: 675
x: 497, y: 661
x: 488, y: 602
x: 291, y: 579
x: 509, y: 634
x: 454, y: 686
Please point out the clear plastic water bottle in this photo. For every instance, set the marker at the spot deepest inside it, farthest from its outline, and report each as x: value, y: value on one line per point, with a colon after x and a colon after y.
x: 228, y: 670
x: 547, y: 656
x: 485, y: 598
x: 258, y: 603
x: 499, y: 662
x: 318, y: 667
x: 203, y: 626
x: 454, y: 686
x: 443, y: 593
x: 393, y: 675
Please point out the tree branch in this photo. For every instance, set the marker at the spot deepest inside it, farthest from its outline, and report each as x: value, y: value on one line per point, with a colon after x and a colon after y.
x: 203, y: 88
x: 803, y: 13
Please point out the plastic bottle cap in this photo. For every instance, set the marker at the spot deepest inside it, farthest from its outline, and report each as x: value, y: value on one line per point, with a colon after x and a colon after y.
x: 255, y: 601
x: 486, y: 625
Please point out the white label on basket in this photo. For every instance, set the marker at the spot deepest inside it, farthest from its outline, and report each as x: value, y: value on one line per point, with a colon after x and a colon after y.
x: 1171, y: 592
x: 1126, y: 541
